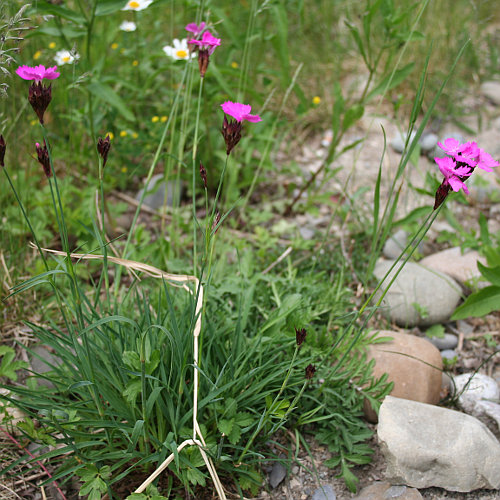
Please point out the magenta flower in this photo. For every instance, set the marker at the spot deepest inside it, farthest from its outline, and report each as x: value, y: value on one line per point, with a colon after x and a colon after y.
x: 195, y: 29
x: 231, y: 129
x: 452, y: 173
x: 39, y: 95
x: 486, y: 162
x: 240, y: 112
x: 37, y: 73
x: 208, y: 42
x: 205, y: 48
x: 459, y: 165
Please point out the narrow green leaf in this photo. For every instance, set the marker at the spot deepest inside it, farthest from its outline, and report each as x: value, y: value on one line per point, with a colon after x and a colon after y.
x: 492, y: 274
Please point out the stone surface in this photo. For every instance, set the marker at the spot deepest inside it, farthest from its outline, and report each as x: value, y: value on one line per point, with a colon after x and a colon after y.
x: 395, y: 244
x: 449, y: 341
x: 491, y: 90
x: 428, y: 142
x: 491, y: 409
x: 277, y: 474
x: 474, y: 388
x: 382, y: 490
x: 42, y: 362
x: 324, y: 493
x: 428, y: 446
x: 157, y: 189
x: 398, y: 141
x: 412, y: 363
x: 449, y: 354
x: 419, y: 296
x: 462, y: 268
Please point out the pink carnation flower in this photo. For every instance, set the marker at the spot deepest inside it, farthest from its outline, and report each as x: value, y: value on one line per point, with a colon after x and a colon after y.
x: 195, y: 29
x: 37, y: 73
x: 208, y: 42
x: 486, y: 162
x: 240, y: 111
x: 451, y: 146
x: 451, y: 173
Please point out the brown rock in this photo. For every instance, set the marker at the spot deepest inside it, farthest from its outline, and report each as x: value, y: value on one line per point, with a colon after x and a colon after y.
x: 461, y: 267
x: 412, y: 363
x: 382, y: 490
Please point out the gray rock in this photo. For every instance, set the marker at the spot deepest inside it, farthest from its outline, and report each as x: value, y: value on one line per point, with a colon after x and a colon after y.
x: 426, y: 446
x: 428, y: 142
x: 306, y: 232
x: 325, y: 492
x: 491, y: 90
x: 157, y: 190
x: 449, y: 341
x: 449, y: 354
x: 43, y: 362
x: 418, y: 296
x: 474, y: 388
x: 491, y: 409
x: 461, y: 267
x: 398, y: 141
x: 277, y: 474
x: 395, y: 244
x: 382, y: 490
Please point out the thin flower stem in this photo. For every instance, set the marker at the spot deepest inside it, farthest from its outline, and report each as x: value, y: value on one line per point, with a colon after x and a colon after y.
x: 195, y: 149
x: 103, y: 233
x: 26, y: 218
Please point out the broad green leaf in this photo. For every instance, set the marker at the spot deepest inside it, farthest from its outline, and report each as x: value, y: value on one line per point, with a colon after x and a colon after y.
x: 492, y: 274
x: 105, y: 7
x: 479, y: 304
x: 196, y: 477
x: 225, y: 426
x: 352, y: 115
x: 109, y: 96
x: 235, y: 434
x: 132, y: 390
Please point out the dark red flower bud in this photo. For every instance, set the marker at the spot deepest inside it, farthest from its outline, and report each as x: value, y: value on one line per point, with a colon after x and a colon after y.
x: 231, y: 131
x: 3, y: 147
x: 39, y: 97
x: 441, y: 193
x: 203, y: 60
x: 103, y: 147
x: 310, y: 371
x: 43, y: 158
x: 300, y: 335
x: 216, y: 222
x: 203, y: 174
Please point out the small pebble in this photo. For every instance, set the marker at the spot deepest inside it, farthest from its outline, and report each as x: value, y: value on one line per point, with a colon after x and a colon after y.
x: 428, y: 142
x: 277, y: 474
x: 448, y: 342
x: 449, y: 354
x: 324, y: 493
x: 398, y: 142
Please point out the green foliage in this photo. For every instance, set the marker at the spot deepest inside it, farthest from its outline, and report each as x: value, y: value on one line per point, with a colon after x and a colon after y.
x: 8, y: 366
x: 151, y: 494
x: 94, y: 481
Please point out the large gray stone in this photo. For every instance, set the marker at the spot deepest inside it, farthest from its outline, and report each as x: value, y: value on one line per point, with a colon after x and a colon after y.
x: 324, y: 492
x: 159, y: 193
x: 473, y: 388
x: 418, y: 296
x: 382, y: 490
x: 461, y: 267
x: 428, y: 446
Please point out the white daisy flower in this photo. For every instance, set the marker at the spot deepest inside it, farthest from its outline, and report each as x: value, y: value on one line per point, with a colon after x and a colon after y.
x: 137, y: 4
x: 65, y: 57
x: 128, y: 26
x: 179, y: 51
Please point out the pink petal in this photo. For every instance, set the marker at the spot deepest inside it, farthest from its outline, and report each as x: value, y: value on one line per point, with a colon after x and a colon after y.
x: 456, y: 184
x: 252, y: 118
x: 451, y: 145
x: 446, y: 165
